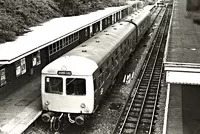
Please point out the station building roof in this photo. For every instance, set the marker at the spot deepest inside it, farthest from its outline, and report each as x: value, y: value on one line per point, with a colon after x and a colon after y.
x: 49, y: 32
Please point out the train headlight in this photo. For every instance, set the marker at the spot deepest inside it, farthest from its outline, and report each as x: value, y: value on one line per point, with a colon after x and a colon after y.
x: 83, y: 105
x: 47, y: 103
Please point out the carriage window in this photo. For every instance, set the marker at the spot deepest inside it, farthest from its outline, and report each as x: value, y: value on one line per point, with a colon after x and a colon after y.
x: 53, y: 85
x: 2, y: 77
x: 75, y: 86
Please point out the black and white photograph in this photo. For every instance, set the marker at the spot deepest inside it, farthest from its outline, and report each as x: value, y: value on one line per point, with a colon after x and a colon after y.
x: 99, y: 66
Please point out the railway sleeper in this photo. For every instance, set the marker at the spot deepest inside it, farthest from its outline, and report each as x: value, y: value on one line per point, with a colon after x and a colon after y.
x: 158, y: 66
x: 146, y: 79
x: 143, y: 128
x: 147, y: 115
x: 128, y: 131
x: 153, y: 89
x: 151, y: 98
x: 142, y: 131
x: 156, y: 76
x: 155, y: 80
x: 137, y: 104
x: 134, y: 113
x: 145, y: 120
x: 130, y: 125
x: 154, y: 83
x: 142, y: 90
x: 150, y: 101
x: 138, y: 101
x: 133, y: 109
x: 144, y: 86
x: 149, y: 106
x: 139, y: 97
x: 152, y: 94
x: 147, y: 111
x: 132, y: 119
x: 148, y: 71
x: 141, y: 93
x: 157, y: 73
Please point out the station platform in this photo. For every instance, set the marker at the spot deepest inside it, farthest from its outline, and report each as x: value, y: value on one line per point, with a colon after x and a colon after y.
x: 182, y: 53
x: 183, y: 110
x: 19, y: 109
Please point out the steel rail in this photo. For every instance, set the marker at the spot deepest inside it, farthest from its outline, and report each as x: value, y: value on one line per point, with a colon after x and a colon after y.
x: 149, y: 82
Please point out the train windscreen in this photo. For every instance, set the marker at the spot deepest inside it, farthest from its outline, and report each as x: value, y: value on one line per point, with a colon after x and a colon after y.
x: 54, y: 85
x: 75, y: 86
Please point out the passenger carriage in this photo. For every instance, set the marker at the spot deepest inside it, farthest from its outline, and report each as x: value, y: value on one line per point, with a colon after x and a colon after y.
x: 76, y: 82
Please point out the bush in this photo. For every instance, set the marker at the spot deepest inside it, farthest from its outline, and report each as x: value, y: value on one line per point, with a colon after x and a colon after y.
x: 16, y: 16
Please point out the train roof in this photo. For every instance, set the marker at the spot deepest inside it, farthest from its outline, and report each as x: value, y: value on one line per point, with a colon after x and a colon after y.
x: 77, y: 65
x: 49, y: 32
x: 97, y: 48
x: 139, y: 16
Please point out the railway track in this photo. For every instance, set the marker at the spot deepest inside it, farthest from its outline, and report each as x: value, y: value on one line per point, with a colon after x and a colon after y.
x: 139, y: 112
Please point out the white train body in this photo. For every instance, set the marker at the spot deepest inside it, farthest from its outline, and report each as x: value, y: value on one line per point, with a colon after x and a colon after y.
x: 76, y: 82
x: 75, y: 67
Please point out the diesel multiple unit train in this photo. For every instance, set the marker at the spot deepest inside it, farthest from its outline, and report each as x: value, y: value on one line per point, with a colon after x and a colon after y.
x: 74, y: 84
x: 22, y: 60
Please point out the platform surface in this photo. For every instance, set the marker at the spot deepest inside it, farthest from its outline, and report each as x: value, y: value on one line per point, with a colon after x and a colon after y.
x: 184, y: 41
x: 19, y: 109
x: 182, y: 51
x: 174, y: 116
x: 183, y: 109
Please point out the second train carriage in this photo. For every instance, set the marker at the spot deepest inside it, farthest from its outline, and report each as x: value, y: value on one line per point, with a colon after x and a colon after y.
x: 75, y: 83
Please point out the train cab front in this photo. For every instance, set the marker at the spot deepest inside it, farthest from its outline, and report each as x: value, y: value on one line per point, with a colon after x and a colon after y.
x: 67, y: 94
